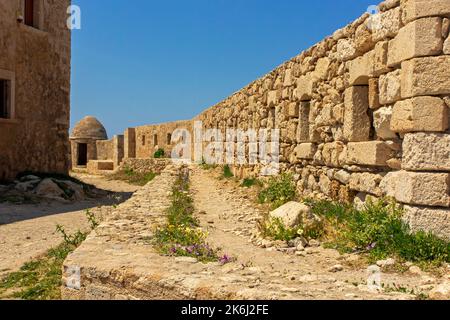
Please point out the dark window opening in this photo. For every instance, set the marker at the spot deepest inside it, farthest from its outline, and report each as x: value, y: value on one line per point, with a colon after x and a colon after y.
x: 5, y: 99
x: 29, y: 13
x: 155, y: 139
x: 143, y: 140
x: 82, y: 154
x: 169, y: 138
x: 303, y: 123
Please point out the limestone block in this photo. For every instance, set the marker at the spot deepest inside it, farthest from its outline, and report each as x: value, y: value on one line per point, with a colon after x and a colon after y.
x: 390, y: 87
x: 425, y: 76
x: 273, y: 98
x: 322, y: 68
x: 414, y: 9
x: 374, y: 96
x: 356, y: 119
x: 305, y: 151
x: 292, y: 214
x: 429, y: 189
x: 382, y: 123
x: 370, y: 153
x: 331, y: 153
x: 432, y: 220
x: 288, y: 78
x: 293, y: 110
x: 420, y: 114
x: 305, y: 87
x: 363, y: 38
x: 366, y: 182
x: 342, y: 176
x: 380, y: 59
x: 388, y: 24
x: 360, y: 69
x: 346, y: 49
x: 447, y: 45
x: 426, y: 152
x: 419, y: 38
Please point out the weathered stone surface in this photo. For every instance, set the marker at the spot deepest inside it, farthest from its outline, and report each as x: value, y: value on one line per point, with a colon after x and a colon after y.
x: 426, y: 76
x: 429, y: 189
x: 293, y: 110
x: 360, y: 69
x: 305, y: 151
x: 292, y: 214
x: 332, y: 152
x: 273, y: 98
x: 49, y: 189
x: 356, y: 119
x: 429, y: 219
x: 380, y: 59
x: 390, y: 87
x: 388, y: 24
x: 414, y: 9
x: 441, y: 292
x: 420, y: 114
x: 366, y: 182
x: 417, y: 39
x: 372, y: 153
x: 346, y: 49
x: 374, y: 97
x: 305, y: 87
x: 382, y: 123
x: 426, y: 152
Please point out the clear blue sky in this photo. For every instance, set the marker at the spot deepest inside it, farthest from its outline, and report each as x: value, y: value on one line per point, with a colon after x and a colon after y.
x: 144, y: 61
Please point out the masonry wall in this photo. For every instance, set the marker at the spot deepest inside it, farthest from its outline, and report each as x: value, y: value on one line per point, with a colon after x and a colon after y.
x: 36, y: 138
x: 363, y: 113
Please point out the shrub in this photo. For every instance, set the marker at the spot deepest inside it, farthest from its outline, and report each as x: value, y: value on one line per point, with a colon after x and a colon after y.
x: 250, y: 182
x: 280, y: 190
x: 227, y: 173
x: 133, y: 177
x: 160, y: 153
x: 276, y: 230
x: 379, y: 231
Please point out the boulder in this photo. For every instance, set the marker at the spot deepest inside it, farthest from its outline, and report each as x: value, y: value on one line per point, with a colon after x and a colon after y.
x: 294, y: 214
x: 49, y: 189
x: 74, y: 189
x: 441, y: 292
x: 30, y: 177
x: 26, y: 186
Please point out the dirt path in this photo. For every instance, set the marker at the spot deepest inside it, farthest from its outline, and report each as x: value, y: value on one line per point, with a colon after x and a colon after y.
x: 28, y: 231
x: 224, y: 209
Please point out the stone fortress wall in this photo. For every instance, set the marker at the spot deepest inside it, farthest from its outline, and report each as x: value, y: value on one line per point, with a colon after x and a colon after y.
x: 35, y: 62
x: 363, y: 113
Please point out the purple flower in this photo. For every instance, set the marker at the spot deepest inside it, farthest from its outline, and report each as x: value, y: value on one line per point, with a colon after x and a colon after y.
x: 225, y: 259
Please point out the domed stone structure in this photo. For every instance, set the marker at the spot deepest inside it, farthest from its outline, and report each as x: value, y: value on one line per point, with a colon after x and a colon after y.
x: 89, y: 128
x: 85, y: 139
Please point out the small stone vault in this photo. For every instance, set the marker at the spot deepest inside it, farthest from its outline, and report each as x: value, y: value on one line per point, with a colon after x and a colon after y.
x: 363, y: 113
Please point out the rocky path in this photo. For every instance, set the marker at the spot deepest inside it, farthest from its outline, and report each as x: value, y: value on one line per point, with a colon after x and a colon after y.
x: 318, y: 273
x: 28, y: 231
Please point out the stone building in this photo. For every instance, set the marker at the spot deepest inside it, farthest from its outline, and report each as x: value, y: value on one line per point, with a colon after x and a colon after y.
x: 87, y: 136
x: 35, y: 56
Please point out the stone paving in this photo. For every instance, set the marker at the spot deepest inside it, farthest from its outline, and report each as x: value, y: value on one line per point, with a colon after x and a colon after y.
x: 118, y: 262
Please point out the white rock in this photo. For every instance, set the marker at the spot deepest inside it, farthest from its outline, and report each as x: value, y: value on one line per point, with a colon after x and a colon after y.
x: 30, y: 178
x: 292, y: 214
x: 441, y: 292
x: 48, y: 189
x: 382, y: 123
x: 387, y: 262
x: 415, y: 270
x: 336, y: 268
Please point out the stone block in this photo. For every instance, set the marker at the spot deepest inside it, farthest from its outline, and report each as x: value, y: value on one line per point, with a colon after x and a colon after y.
x: 305, y: 87
x: 426, y: 152
x: 374, y: 96
x: 356, y: 119
x: 388, y: 25
x: 420, y: 114
x: 427, y: 219
x: 380, y: 59
x: 293, y: 110
x: 418, y: 188
x: 360, y: 69
x: 382, y: 123
x: 332, y: 152
x: 322, y: 68
x: 366, y: 182
x: 370, y: 153
x: 390, y: 87
x: 419, y: 38
x: 288, y: 78
x: 346, y: 49
x: 415, y: 9
x: 426, y: 76
x: 305, y: 151
x: 273, y: 98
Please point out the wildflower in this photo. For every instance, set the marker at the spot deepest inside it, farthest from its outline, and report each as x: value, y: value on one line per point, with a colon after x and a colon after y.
x: 225, y: 259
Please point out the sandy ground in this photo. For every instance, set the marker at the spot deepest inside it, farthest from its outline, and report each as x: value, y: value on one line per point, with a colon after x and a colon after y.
x: 28, y: 231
